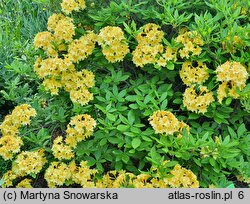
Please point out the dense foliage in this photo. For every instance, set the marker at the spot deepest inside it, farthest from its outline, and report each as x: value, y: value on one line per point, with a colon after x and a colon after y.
x: 125, y: 93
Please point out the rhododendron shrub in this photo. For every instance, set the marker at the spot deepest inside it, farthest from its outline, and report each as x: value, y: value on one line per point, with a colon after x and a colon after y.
x: 135, y: 96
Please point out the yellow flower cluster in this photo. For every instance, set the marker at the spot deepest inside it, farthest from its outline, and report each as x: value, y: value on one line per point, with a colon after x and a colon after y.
x: 10, y: 142
x: 165, y: 122
x: 80, y: 49
x: 51, y: 67
x: 191, y: 41
x: 64, y: 29
x: 50, y: 71
x: 233, y: 75
x: 197, y: 102
x: 28, y: 163
x: 8, y: 178
x: 149, y: 49
x: 72, y: 5
x: 46, y: 41
x: 58, y: 73
x: 43, y: 40
x: 82, y: 174
x: 197, y: 73
x: 182, y: 178
x: 113, y: 43
x: 57, y: 174
x: 79, y: 92
x: 123, y: 179
x: 25, y: 183
x: 242, y: 179
x: 79, y: 128
x: 10, y: 145
x: 60, y: 150
x: 61, y: 30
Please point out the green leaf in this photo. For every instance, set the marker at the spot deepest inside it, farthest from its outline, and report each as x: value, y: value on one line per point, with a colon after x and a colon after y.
x: 114, y: 140
x: 146, y: 138
x: 100, y: 108
x: 133, y: 106
x: 131, y: 117
x: 103, y: 141
x: 131, y: 98
x: 125, y: 158
x: 155, y: 156
x: 130, y: 134
x: 241, y: 130
x: 226, y: 140
x: 111, y: 117
x: 1, y: 182
x: 232, y: 132
x: 33, y: 175
x: 164, y: 104
x: 170, y: 65
x: 212, y: 161
x: 197, y: 162
x: 171, y: 163
x: 136, y: 143
x: 99, y: 167
x: 193, y: 116
x: 122, y: 128
x: 228, y: 101
x: 91, y: 161
x: 177, y: 101
x: 231, y: 186
x: 118, y: 166
x: 163, y: 96
x: 43, y: 133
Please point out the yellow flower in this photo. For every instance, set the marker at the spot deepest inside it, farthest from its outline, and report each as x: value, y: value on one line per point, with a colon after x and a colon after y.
x: 80, y: 49
x: 194, y: 74
x: 243, y: 179
x: 232, y: 43
x: 113, y: 43
x: 9, y: 146
x: 64, y: 30
x: 83, y: 175
x: 191, y: 41
x: 52, y: 85
x: 81, y: 96
x: 233, y: 75
x: 57, y: 174
x: 79, y: 128
x: 26, y: 183
x: 232, y: 72
x: 182, y: 178
x: 43, y: 40
x: 20, y: 116
x: 29, y: 162
x: 149, y: 49
x: 60, y: 150
x: 72, y: 5
x: 8, y: 178
x: 197, y: 102
x: 53, y: 21
x: 151, y: 34
x: 164, y: 122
